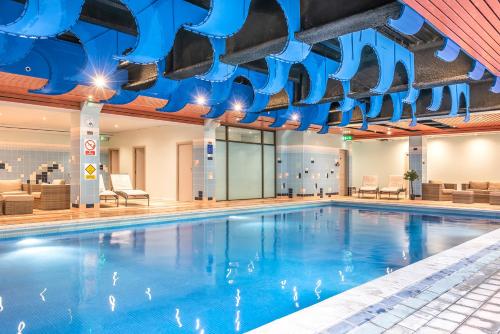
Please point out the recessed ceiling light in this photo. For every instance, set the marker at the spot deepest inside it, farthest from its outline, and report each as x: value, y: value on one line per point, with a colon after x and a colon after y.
x: 295, y: 117
x: 44, y: 118
x: 237, y: 106
x: 201, y: 100
x: 116, y: 126
x: 100, y: 81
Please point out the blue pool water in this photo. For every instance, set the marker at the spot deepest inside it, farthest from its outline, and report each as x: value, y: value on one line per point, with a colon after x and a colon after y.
x: 216, y: 275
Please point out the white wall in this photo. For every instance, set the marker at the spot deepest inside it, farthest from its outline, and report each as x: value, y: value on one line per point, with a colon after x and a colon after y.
x: 459, y: 159
x: 382, y: 158
x: 35, y: 138
x: 453, y: 158
x: 161, y: 154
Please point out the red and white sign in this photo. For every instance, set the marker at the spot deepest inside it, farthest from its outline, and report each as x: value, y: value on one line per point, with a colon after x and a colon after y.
x: 90, y: 146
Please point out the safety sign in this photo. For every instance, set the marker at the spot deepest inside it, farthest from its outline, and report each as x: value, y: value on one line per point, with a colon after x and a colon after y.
x: 90, y: 146
x: 89, y: 172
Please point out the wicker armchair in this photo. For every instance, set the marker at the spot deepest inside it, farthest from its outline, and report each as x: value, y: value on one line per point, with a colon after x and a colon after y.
x: 51, y: 196
x: 437, y: 191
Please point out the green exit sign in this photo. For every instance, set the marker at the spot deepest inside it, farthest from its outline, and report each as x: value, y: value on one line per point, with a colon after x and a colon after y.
x: 347, y: 137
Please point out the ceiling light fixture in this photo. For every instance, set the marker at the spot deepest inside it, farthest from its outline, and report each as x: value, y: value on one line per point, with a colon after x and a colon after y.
x: 237, y: 106
x: 295, y: 117
x: 100, y: 81
x: 116, y: 126
x: 201, y: 100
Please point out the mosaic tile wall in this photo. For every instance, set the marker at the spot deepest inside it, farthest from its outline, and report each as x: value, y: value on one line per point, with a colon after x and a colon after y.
x: 39, y: 165
x: 307, y: 170
x: 204, y: 164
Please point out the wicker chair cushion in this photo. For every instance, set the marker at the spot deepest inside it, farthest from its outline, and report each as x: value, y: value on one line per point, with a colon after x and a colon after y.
x: 436, y: 182
x: 58, y: 181
x: 10, y: 185
x: 478, y: 185
x: 448, y: 191
x: 36, y: 194
x: 17, y: 198
x: 494, y: 186
x: 17, y: 192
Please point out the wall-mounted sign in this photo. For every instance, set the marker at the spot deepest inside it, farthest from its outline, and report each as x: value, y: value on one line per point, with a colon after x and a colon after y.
x: 347, y: 137
x: 90, y: 146
x: 90, y: 172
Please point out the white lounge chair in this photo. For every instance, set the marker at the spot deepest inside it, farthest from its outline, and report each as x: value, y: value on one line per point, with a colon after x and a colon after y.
x: 123, y: 187
x: 106, y: 194
x: 396, y: 186
x: 369, y: 186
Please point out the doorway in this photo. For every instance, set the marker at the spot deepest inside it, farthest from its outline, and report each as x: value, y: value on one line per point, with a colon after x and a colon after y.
x: 140, y: 168
x: 185, y: 172
x: 114, y: 161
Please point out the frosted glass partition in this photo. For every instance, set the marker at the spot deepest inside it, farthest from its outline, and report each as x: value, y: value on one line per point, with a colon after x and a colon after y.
x: 221, y: 171
x: 244, y: 135
x: 245, y: 171
x: 220, y: 133
x: 268, y: 137
x: 245, y: 163
x: 269, y: 171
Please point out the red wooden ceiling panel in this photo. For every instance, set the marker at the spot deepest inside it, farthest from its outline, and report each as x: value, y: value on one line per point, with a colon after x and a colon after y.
x: 472, y: 24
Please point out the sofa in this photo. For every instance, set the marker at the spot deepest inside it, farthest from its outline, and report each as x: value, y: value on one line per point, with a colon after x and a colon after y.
x: 9, y: 204
x: 481, y: 190
x: 51, y: 196
x: 12, y: 187
x: 437, y: 190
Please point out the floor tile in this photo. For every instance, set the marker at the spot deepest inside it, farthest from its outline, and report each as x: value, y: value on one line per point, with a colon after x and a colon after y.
x: 413, y: 322
x: 452, y: 316
x: 443, y: 324
x: 367, y: 328
x: 386, y: 320
x: 398, y: 330
x: 464, y: 329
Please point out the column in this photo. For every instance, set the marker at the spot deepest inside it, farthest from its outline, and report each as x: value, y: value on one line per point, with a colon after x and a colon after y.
x: 204, y: 163
x: 85, y: 161
x: 417, y: 155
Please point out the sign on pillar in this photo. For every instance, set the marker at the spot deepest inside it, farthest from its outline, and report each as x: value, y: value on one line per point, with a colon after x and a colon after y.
x: 85, y: 156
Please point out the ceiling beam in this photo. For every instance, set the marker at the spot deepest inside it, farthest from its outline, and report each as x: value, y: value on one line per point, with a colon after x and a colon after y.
x: 265, y: 30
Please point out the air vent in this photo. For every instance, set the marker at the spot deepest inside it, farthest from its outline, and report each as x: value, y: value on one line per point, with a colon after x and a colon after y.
x: 434, y: 124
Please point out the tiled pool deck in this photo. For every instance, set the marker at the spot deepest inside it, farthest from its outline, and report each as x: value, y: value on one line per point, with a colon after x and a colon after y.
x: 456, y: 291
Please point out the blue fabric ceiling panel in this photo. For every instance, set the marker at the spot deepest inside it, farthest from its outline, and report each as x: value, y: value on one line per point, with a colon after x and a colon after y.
x: 42, y: 18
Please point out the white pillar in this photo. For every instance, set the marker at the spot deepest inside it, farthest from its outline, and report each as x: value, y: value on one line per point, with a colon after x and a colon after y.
x: 85, y: 160
x: 417, y: 155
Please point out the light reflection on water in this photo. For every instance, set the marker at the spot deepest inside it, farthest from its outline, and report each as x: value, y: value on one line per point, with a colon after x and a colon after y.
x: 213, y: 276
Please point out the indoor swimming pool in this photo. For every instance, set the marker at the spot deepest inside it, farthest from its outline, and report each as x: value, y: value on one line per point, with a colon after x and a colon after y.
x: 213, y: 275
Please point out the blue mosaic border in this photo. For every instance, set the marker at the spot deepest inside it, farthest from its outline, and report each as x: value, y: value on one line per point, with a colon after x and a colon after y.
x: 413, y: 290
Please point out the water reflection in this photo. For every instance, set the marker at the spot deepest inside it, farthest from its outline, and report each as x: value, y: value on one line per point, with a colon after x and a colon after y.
x: 216, y: 276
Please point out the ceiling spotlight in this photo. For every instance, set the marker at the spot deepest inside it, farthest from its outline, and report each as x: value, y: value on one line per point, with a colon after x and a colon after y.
x: 44, y: 118
x: 201, y: 100
x: 295, y: 117
x: 100, y: 81
x: 237, y: 106
x: 116, y: 126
